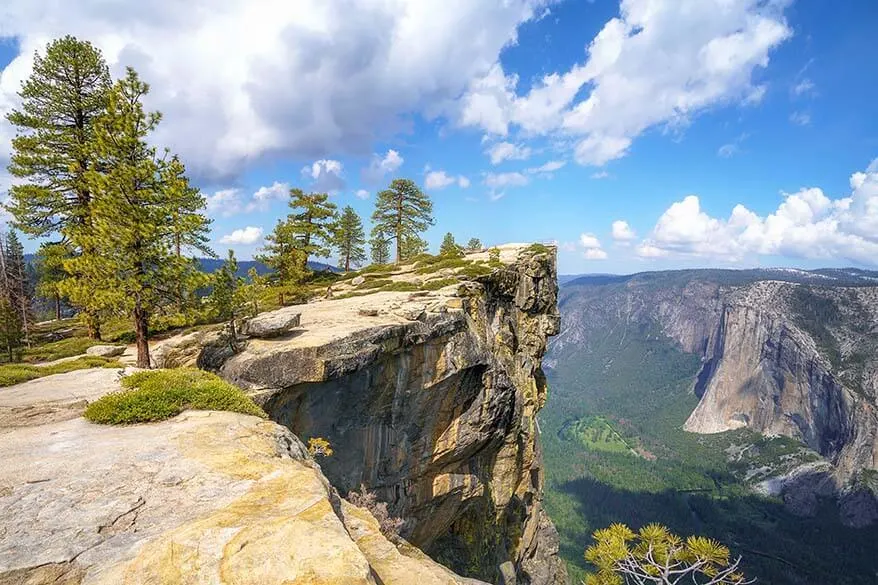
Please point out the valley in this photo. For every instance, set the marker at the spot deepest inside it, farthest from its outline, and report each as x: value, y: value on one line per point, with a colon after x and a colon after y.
x: 621, y: 392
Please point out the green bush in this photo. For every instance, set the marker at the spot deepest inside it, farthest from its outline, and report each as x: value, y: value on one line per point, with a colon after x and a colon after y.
x: 538, y: 248
x: 373, y: 268
x: 377, y: 283
x: 59, y: 349
x: 156, y: 395
x: 475, y: 270
x: 441, y: 264
x: 400, y: 287
x: 440, y: 283
x: 12, y: 374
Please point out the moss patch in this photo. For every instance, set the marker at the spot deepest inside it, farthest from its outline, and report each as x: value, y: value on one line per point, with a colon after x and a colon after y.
x: 12, y: 374
x: 59, y: 349
x: 160, y: 394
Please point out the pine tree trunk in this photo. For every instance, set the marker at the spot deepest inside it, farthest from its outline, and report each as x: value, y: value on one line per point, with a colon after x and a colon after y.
x: 141, y: 335
x: 57, y: 307
x: 347, y: 262
x: 94, y: 326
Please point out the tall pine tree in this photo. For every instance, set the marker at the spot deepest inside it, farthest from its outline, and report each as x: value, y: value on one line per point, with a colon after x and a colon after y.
x: 379, y: 247
x: 312, y: 223
x: 282, y: 254
x: 402, y: 211
x: 129, y: 254
x: 15, y: 297
x: 54, y: 144
x: 349, y: 239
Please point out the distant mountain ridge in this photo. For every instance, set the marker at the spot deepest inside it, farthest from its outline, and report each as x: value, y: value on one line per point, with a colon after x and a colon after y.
x: 822, y: 276
x: 212, y: 264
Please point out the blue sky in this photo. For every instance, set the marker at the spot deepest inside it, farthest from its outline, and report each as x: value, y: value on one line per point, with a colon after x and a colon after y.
x: 721, y: 132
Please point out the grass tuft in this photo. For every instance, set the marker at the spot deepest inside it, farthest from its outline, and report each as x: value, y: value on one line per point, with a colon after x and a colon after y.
x: 59, y: 349
x: 156, y: 395
x: 11, y: 374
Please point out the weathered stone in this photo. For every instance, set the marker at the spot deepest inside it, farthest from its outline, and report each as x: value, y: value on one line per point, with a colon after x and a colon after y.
x: 272, y: 324
x: 203, y: 498
x: 106, y: 350
x: 370, y: 312
x: 358, y: 280
x: 186, y: 350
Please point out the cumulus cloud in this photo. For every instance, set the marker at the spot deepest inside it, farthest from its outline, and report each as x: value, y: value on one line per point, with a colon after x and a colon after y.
x: 507, y: 151
x: 807, y: 224
x: 502, y: 180
x: 227, y: 202
x: 622, y: 232
x: 245, y: 236
x: 361, y: 194
x: 592, y: 247
x: 238, y: 80
x: 660, y: 62
x: 727, y: 150
x: 382, y: 166
x: 436, y: 180
x: 600, y: 175
x: 325, y: 175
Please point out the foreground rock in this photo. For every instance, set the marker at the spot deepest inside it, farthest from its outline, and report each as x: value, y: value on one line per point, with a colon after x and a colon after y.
x: 273, y: 324
x: 430, y: 398
x: 204, y: 498
x: 106, y: 350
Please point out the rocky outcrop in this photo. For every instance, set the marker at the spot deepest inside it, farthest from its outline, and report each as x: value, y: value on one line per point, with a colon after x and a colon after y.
x: 203, y: 498
x: 430, y: 399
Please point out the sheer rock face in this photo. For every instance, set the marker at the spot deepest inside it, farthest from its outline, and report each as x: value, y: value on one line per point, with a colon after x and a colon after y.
x: 430, y: 400
x: 784, y: 358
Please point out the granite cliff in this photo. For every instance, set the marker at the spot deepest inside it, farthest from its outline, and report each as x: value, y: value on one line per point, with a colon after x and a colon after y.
x: 789, y: 353
x: 429, y: 398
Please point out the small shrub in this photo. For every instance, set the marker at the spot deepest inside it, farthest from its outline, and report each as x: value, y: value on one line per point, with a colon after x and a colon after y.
x: 12, y: 374
x: 389, y: 525
x: 400, y: 287
x: 59, y: 349
x: 441, y: 283
x: 318, y: 446
x: 377, y: 283
x: 494, y: 256
x: 374, y: 268
x: 476, y: 270
x: 156, y: 395
x: 537, y: 248
x: 442, y: 264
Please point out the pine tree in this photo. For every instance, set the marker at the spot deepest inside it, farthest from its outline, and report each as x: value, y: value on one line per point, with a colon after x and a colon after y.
x: 54, y: 145
x: 379, y: 246
x: 413, y: 246
x: 349, y: 239
x: 225, y: 296
x: 282, y: 254
x: 312, y: 223
x: 474, y: 245
x: 11, y: 313
x: 128, y: 256
x: 20, y: 289
x: 49, y: 264
x: 449, y: 247
x: 402, y: 211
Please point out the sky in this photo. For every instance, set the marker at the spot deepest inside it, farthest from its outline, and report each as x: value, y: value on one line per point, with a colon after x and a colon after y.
x: 635, y: 134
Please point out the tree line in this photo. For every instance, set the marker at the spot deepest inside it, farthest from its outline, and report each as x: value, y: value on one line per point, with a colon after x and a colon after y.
x: 121, y: 222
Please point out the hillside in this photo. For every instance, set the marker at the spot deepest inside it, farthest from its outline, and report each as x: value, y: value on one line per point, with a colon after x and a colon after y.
x: 622, y: 373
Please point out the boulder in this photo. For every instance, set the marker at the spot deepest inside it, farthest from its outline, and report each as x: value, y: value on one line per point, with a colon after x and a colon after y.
x: 358, y: 281
x: 272, y: 324
x: 106, y: 351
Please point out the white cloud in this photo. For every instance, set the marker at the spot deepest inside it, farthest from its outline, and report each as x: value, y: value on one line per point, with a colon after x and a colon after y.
x: 507, y: 151
x: 807, y: 224
x: 600, y: 175
x: 595, y: 254
x: 436, y: 180
x: 660, y: 62
x: 225, y: 202
x: 276, y: 192
x: 326, y: 175
x: 238, y: 80
x: 800, y: 118
x: 589, y: 241
x: 549, y: 167
x: 503, y: 180
x: 245, y: 237
x: 622, y: 232
x: 382, y: 165
x: 362, y: 194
